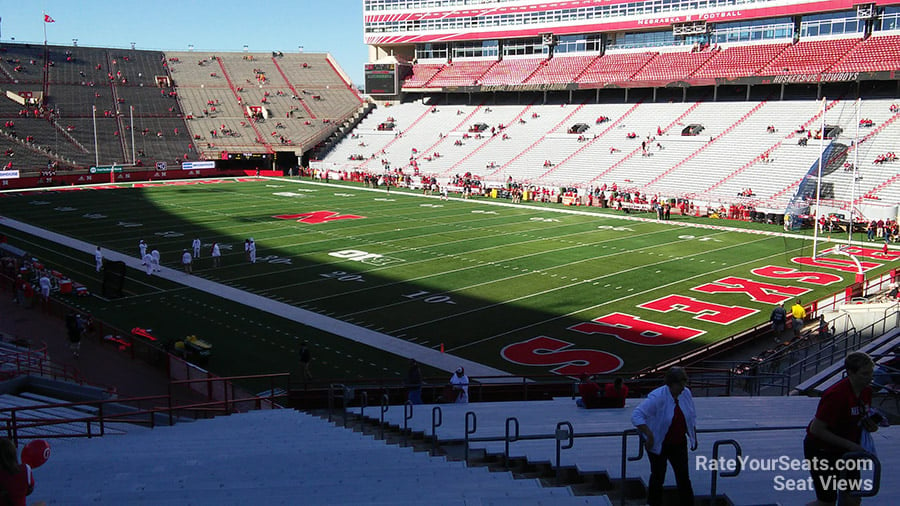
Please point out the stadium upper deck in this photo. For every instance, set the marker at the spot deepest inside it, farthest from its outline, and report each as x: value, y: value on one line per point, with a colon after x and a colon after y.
x: 472, y: 45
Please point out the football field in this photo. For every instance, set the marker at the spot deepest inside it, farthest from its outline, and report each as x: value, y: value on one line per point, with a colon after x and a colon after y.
x: 527, y: 289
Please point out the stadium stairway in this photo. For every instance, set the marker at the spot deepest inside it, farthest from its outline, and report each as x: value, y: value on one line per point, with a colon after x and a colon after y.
x: 271, y: 457
x: 769, y: 430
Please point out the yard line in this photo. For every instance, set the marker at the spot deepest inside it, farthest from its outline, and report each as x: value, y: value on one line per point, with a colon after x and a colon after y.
x: 595, y: 306
x: 507, y: 278
x: 443, y: 257
x: 424, y: 249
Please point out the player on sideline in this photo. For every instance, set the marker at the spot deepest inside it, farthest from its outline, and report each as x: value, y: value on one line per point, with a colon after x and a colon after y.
x: 98, y: 258
x: 216, y: 254
x: 148, y: 263
x: 196, y: 246
x: 155, y: 256
x: 252, y: 251
x: 143, y: 246
x: 186, y: 262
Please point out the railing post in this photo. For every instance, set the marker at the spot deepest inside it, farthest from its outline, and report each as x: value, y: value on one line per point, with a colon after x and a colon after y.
x: 507, y: 439
x: 169, y: 403
x: 363, y: 404
x: 384, y: 408
x: 437, y: 418
x: 626, y: 458
x: 469, y: 430
x: 726, y: 474
x: 102, y: 420
x: 407, y: 416
x: 564, y: 430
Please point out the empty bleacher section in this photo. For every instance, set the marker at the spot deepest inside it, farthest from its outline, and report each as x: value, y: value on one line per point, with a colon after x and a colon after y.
x: 809, y: 57
x: 461, y: 73
x: 614, y: 67
x: 510, y: 71
x: 560, y: 70
x: 669, y: 67
x: 261, y: 102
x: 739, y: 61
x: 877, y: 53
x: 774, y: 431
x: 79, y: 80
x: 642, y: 147
x: 298, y: 458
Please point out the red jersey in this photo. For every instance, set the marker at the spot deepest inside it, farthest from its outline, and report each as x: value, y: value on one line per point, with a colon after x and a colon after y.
x: 842, y: 411
x: 17, y: 486
x: 590, y: 394
x: 610, y: 392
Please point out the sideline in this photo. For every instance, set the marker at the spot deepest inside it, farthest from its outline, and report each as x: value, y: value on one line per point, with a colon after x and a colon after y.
x: 424, y: 355
x: 578, y: 212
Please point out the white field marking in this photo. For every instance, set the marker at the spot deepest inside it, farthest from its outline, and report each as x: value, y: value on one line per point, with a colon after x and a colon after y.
x: 492, y: 263
x: 562, y: 287
x: 425, y: 249
x: 625, y: 297
x: 329, y: 235
x: 570, y: 210
x: 508, y: 278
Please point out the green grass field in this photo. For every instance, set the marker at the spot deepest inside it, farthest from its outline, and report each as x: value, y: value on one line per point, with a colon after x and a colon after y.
x: 512, y: 287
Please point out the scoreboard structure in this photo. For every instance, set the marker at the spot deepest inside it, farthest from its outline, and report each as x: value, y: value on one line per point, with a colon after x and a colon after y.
x: 381, y: 78
x: 385, y: 78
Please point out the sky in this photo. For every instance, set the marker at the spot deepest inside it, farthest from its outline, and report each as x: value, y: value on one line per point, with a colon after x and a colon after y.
x: 333, y: 26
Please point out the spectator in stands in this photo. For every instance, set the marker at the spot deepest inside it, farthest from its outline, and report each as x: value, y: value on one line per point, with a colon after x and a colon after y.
x: 459, y: 386
x: 823, y: 331
x: 798, y: 313
x: 16, y: 480
x: 666, y: 420
x: 837, y: 428
x: 614, y: 394
x: 778, y: 319
x: 589, y: 392
x: 74, y: 329
x: 44, y: 283
x: 414, y: 382
x: 305, y: 359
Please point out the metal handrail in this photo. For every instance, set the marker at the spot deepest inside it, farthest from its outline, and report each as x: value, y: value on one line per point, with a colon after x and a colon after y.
x: 437, y: 419
x: 724, y: 474
x: 14, y: 422
x: 876, y: 473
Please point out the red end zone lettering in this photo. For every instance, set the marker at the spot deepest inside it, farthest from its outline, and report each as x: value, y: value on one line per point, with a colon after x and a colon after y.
x: 317, y: 217
x: 838, y: 264
x: 543, y: 350
x: 707, y: 311
x: 758, y: 292
x: 816, y: 278
x: 875, y: 254
x: 633, y: 330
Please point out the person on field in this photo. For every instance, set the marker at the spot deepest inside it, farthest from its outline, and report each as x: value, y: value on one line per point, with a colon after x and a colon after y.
x: 186, y: 261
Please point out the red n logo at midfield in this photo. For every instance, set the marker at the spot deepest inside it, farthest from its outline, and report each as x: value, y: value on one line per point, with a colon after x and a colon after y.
x: 317, y: 217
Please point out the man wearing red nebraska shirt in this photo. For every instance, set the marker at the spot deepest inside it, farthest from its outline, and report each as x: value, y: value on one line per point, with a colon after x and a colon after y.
x: 837, y: 428
x: 589, y: 392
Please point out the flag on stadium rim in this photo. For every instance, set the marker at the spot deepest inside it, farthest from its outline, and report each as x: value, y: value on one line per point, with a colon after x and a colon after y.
x: 48, y: 19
